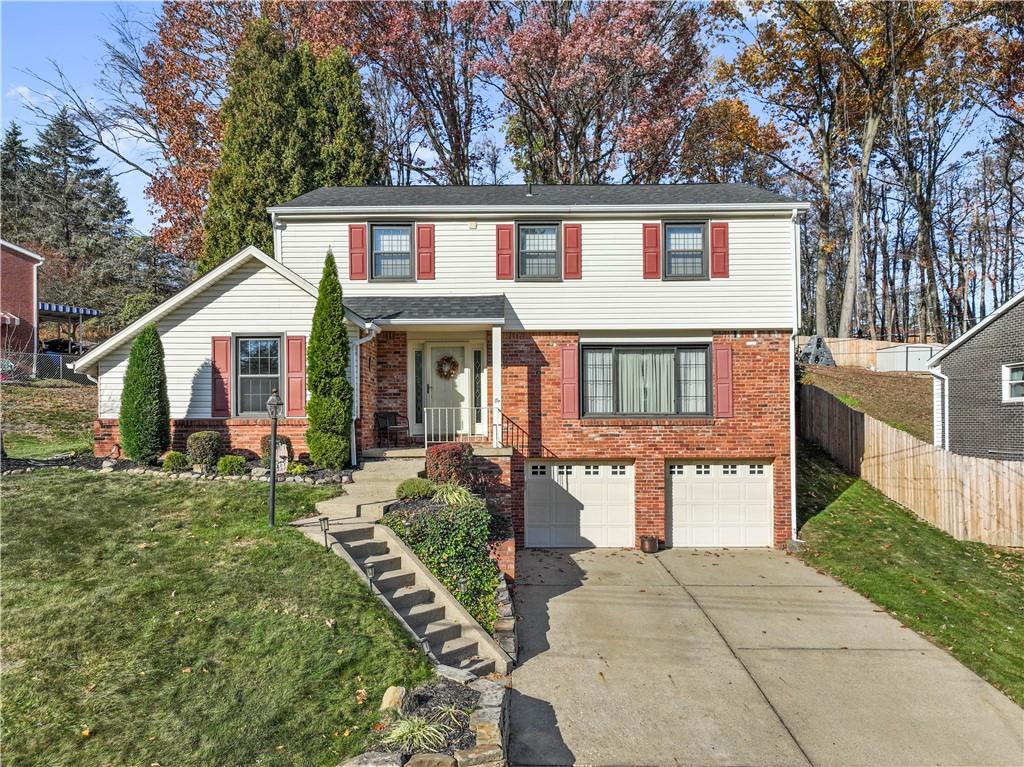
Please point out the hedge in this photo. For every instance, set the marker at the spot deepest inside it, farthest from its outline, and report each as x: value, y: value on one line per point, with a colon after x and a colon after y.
x: 450, y: 462
x: 145, y: 417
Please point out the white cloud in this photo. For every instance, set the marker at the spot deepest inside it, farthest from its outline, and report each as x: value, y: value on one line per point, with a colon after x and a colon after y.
x: 24, y: 93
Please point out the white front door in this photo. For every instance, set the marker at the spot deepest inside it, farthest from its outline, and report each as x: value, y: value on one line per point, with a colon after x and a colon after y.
x: 720, y: 504
x: 448, y: 402
x: 579, y: 505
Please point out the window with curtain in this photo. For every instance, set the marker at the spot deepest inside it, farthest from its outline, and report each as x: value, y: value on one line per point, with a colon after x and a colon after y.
x: 684, y: 251
x: 662, y: 380
x: 259, y: 373
x: 392, y: 252
x: 538, y: 252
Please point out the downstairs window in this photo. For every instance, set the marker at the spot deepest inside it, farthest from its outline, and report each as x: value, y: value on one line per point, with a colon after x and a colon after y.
x: 647, y: 381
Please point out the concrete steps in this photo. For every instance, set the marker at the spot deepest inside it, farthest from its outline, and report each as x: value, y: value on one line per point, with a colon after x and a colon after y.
x: 373, y: 486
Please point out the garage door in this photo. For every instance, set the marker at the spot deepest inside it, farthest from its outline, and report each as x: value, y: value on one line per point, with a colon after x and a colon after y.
x: 579, y: 504
x: 720, y: 504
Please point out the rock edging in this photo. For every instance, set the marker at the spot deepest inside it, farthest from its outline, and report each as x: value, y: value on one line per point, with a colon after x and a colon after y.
x: 109, y: 466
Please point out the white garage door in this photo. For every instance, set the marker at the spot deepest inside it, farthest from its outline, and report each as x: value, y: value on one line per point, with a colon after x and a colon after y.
x: 720, y: 504
x: 579, y: 504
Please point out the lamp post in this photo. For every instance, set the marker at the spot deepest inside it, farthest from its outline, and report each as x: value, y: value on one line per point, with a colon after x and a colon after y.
x: 274, y: 404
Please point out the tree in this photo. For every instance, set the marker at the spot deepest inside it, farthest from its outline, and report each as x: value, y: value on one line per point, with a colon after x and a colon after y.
x: 15, y: 185
x: 145, y: 424
x: 329, y: 408
x: 291, y: 123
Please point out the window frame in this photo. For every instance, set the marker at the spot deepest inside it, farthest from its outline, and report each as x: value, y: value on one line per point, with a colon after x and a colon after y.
x: 559, y: 257
x: 677, y: 383
x: 1005, y: 378
x: 370, y: 266
x: 705, y: 225
x: 237, y: 375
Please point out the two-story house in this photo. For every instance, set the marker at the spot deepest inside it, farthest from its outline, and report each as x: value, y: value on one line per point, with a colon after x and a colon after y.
x: 621, y: 355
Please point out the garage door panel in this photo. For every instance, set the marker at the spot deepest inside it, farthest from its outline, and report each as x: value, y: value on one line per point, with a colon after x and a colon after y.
x: 719, y: 505
x: 587, y: 504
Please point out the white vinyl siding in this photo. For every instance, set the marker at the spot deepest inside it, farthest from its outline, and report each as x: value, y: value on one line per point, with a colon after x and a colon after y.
x: 758, y: 294
x: 938, y: 416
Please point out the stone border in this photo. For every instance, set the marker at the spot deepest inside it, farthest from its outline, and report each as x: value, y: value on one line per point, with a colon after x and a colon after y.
x: 344, y: 477
x: 505, y: 627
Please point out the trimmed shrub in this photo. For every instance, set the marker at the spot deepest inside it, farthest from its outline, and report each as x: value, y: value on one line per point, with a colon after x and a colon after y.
x: 175, y: 462
x: 265, y: 449
x: 232, y: 465
x: 329, y: 409
x: 296, y: 469
x: 204, y: 447
x: 450, y: 462
x: 145, y: 417
x: 414, y: 488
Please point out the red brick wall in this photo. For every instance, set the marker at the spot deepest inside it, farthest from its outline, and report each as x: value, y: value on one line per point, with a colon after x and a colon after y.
x: 392, y: 380
x: 367, y: 394
x: 17, y: 297
x: 531, y: 397
x: 241, y: 435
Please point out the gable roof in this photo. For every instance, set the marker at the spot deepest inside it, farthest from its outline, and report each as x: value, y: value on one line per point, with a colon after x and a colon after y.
x: 385, y: 310
x: 977, y: 328
x: 541, y: 197
x: 197, y: 287
x: 23, y: 251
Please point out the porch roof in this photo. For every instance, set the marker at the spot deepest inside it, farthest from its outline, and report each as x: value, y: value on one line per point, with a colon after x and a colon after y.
x: 439, y: 310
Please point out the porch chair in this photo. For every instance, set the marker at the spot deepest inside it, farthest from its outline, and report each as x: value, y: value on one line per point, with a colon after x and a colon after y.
x: 389, y: 427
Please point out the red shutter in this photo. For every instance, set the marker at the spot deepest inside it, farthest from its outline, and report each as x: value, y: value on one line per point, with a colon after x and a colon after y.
x: 719, y: 249
x: 505, y: 251
x: 295, y: 385
x: 424, y: 251
x: 357, y: 251
x: 723, y: 382
x: 652, y: 251
x: 570, y: 382
x: 220, y: 376
x: 572, y: 250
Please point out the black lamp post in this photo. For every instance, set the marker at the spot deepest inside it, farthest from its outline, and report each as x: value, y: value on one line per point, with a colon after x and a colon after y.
x: 274, y: 404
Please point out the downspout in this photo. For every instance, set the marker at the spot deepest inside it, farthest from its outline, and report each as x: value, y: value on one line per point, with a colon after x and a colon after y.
x: 945, y: 406
x: 35, y: 317
x: 372, y: 331
x: 792, y: 377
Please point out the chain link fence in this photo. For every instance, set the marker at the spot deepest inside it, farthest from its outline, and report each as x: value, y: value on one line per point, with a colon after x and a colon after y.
x: 24, y: 366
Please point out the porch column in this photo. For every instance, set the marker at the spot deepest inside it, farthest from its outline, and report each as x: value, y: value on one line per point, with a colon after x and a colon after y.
x: 496, y: 385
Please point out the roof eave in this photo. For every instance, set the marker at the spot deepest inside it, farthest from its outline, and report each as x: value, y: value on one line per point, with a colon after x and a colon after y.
x: 455, y: 210
x: 1007, y: 305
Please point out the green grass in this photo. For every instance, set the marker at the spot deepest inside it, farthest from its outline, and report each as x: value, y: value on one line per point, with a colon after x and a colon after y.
x: 966, y: 597
x: 44, y: 418
x: 166, y: 619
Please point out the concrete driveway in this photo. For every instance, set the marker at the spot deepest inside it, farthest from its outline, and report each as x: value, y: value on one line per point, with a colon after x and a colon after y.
x: 733, y: 657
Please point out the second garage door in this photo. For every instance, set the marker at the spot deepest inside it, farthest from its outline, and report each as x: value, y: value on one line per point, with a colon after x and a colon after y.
x: 579, y: 505
x: 720, y: 504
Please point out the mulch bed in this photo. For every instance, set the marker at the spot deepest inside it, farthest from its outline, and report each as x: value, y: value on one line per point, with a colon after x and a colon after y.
x: 427, y: 700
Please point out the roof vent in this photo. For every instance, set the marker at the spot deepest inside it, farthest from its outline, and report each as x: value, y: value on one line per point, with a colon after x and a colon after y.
x: 529, y: 189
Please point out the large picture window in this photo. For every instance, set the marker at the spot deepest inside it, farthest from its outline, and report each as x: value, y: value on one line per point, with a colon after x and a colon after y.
x: 259, y: 373
x: 646, y: 380
x: 685, y: 251
x: 392, y: 251
x: 538, y: 252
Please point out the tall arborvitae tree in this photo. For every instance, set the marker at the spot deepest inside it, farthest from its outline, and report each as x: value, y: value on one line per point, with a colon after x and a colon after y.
x: 327, y: 365
x: 145, y: 425
x: 15, y: 186
x: 291, y: 123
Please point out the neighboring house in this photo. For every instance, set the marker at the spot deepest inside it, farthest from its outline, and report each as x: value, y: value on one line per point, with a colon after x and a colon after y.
x: 621, y: 355
x: 978, y: 387
x: 19, y: 301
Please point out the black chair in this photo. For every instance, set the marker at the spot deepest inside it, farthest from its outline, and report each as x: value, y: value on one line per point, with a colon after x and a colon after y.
x: 389, y: 427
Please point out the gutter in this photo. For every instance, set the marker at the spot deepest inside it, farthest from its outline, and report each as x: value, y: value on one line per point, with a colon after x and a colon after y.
x: 945, y: 407
x: 436, y: 211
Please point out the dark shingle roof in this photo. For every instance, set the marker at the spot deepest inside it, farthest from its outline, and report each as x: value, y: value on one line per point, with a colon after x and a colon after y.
x: 448, y: 307
x: 542, y: 195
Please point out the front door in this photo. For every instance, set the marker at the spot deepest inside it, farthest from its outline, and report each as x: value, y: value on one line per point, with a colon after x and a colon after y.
x: 448, y: 404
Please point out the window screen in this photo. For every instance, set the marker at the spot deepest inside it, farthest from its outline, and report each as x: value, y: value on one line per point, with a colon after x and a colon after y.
x: 259, y: 372
x: 684, y: 250
x: 392, y: 252
x: 538, y: 251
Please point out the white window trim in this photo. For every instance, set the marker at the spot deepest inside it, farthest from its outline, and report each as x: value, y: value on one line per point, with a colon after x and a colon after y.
x: 1006, y: 382
x: 236, y: 374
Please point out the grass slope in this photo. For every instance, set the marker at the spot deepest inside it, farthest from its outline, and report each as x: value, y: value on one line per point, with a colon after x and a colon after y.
x: 966, y: 597
x: 166, y: 619
x: 902, y: 400
x: 43, y: 418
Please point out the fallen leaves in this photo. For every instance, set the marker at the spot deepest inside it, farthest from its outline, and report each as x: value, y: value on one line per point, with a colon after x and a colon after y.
x: 361, y: 696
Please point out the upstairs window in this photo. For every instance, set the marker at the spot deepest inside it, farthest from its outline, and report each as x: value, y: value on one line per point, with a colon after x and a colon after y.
x: 685, y: 251
x: 1013, y: 383
x: 647, y: 381
x: 392, y: 252
x: 538, y: 250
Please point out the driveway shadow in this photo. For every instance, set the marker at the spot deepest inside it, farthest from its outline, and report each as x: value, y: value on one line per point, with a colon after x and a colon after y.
x: 541, y: 575
x: 535, y: 737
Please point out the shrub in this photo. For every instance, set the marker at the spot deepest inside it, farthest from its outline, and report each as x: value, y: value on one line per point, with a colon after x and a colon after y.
x: 145, y: 417
x: 204, y: 447
x: 298, y: 468
x: 175, y: 462
x: 452, y: 541
x: 450, y: 462
x: 329, y: 409
x: 231, y: 465
x: 453, y: 494
x: 414, y: 734
x: 265, y: 448
x: 416, y: 487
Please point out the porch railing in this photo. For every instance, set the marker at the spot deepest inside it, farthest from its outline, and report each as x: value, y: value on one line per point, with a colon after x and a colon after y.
x: 457, y: 424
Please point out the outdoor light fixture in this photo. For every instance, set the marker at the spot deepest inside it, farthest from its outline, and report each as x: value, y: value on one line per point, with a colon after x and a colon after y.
x: 274, y: 405
x: 325, y: 523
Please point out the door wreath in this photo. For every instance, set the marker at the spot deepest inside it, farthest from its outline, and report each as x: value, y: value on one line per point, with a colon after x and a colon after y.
x: 447, y: 367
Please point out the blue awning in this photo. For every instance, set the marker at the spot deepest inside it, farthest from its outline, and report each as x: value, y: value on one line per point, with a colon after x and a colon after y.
x: 66, y: 310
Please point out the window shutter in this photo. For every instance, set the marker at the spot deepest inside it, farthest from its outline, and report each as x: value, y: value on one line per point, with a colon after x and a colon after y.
x: 220, y: 376
x: 295, y: 383
x: 570, y: 382
x: 719, y: 249
x: 424, y: 251
x: 723, y: 382
x: 357, y: 251
x: 652, y: 251
x: 505, y: 251
x: 572, y: 250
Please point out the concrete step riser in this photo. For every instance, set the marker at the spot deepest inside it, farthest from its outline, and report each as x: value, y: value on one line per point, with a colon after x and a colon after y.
x: 454, y: 657
x: 478, y: 667
x: 395, y: 580
x: 441, y: 634
x: 355, y: 535
x: 421, y: 618
x: 383, y: 565
x: 419, y: 597
x: 367, y: 549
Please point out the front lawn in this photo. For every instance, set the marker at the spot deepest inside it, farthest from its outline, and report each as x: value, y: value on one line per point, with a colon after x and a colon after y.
x: 965, y: 597
x: 43, y: 418
x: 151, y: 621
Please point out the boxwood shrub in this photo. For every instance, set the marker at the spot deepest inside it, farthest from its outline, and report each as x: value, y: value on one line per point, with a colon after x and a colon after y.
x: 450, y: 462
x: 175, y: 462
x: 416, y: 487
x: 232, y: 465
x: 204, y: 447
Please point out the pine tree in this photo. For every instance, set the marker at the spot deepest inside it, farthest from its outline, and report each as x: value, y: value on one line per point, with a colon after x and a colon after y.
x: 329, y: 409
x: 15, y: 186
x: 145, y: 424
x: 291, y: 123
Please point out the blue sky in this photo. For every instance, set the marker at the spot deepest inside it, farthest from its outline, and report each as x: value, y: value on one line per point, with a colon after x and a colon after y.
x: 71, y: 33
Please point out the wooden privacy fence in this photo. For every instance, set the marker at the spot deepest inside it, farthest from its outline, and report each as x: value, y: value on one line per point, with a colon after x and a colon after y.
x: 975, y: 499
x: 852, y: 352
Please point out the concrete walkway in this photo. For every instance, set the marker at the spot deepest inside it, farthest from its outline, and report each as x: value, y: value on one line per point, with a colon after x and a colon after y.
x: 734, y: 657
